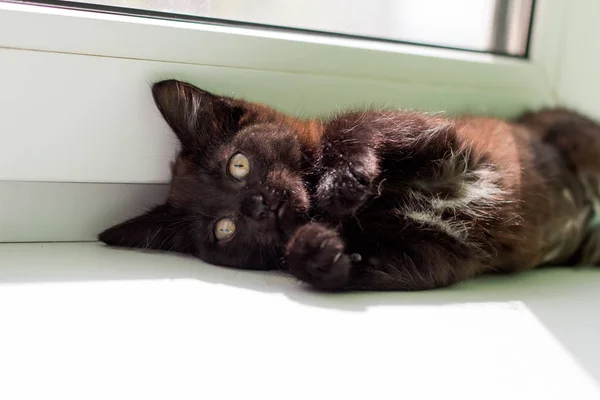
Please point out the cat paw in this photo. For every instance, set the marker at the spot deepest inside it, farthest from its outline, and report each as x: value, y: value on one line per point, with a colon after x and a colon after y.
x: 342, y: 191
x: 315, y: 255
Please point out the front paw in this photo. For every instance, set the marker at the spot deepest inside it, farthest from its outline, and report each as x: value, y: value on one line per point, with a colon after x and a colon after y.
x: 341, y: 191
x: 315, y: 255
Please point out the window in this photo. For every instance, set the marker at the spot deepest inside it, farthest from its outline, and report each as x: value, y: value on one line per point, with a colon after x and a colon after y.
x: 492, y: 26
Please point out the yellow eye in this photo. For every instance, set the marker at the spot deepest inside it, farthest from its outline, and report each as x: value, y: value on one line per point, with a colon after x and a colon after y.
x: 224, y: 228
x: 239, y: 166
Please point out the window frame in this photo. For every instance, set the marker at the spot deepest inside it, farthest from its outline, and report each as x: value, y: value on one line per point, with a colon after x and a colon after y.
x: 143, y: 38
x: 208, y: 20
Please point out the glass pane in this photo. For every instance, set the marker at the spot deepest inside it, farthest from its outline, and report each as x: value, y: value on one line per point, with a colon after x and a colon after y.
x: 496, y: 26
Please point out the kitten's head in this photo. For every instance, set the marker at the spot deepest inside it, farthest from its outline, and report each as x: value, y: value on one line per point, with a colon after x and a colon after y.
x: 237, y: 190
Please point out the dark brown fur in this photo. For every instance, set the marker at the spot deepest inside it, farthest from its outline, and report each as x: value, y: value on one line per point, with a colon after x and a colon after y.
x: 378, y: 199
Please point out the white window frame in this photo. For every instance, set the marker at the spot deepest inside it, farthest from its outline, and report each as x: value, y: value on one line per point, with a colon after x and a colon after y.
x: 90, y: 135
x: 103, y: 34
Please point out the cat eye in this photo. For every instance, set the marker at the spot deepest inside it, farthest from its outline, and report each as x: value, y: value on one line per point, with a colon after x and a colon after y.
x: 239, y: 166
x: 224, y: 228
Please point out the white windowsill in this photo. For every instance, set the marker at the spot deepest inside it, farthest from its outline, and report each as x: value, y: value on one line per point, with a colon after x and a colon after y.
x: 83, y: 147
x: 83, y: 321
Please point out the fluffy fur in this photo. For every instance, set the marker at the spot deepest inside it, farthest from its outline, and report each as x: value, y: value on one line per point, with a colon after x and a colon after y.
x: 375, y: 199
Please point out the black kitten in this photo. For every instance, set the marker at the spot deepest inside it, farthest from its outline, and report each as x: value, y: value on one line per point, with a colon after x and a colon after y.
x: 378, y: 199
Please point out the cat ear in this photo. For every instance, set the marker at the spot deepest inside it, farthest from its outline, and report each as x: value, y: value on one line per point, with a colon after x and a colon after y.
x: 195, y: 115
x: 161, y: 229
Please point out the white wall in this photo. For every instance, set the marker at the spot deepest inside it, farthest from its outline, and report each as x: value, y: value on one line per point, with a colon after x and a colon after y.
x: 578, y: 82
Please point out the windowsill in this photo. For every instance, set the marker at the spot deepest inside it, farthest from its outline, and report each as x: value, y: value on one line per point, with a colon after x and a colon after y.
x: 162, y: 325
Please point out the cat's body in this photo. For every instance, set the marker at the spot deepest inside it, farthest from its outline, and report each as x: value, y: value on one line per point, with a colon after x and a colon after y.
x: 380, y: 199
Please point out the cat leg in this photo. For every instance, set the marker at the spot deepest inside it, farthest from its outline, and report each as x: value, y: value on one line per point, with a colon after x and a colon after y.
x: 361, y: 151
x: 347, y: 167
x: 343, y: 189
x: 319, y: 256
x: 434, y: 268
x: 316, y: 255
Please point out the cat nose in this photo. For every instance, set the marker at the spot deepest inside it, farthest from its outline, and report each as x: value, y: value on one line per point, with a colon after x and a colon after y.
x: 254, y: 206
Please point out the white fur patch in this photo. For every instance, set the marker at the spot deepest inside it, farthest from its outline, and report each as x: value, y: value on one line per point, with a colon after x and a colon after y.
x: 452, y: 228
x: 552, y: 254
x: 477, y: 186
